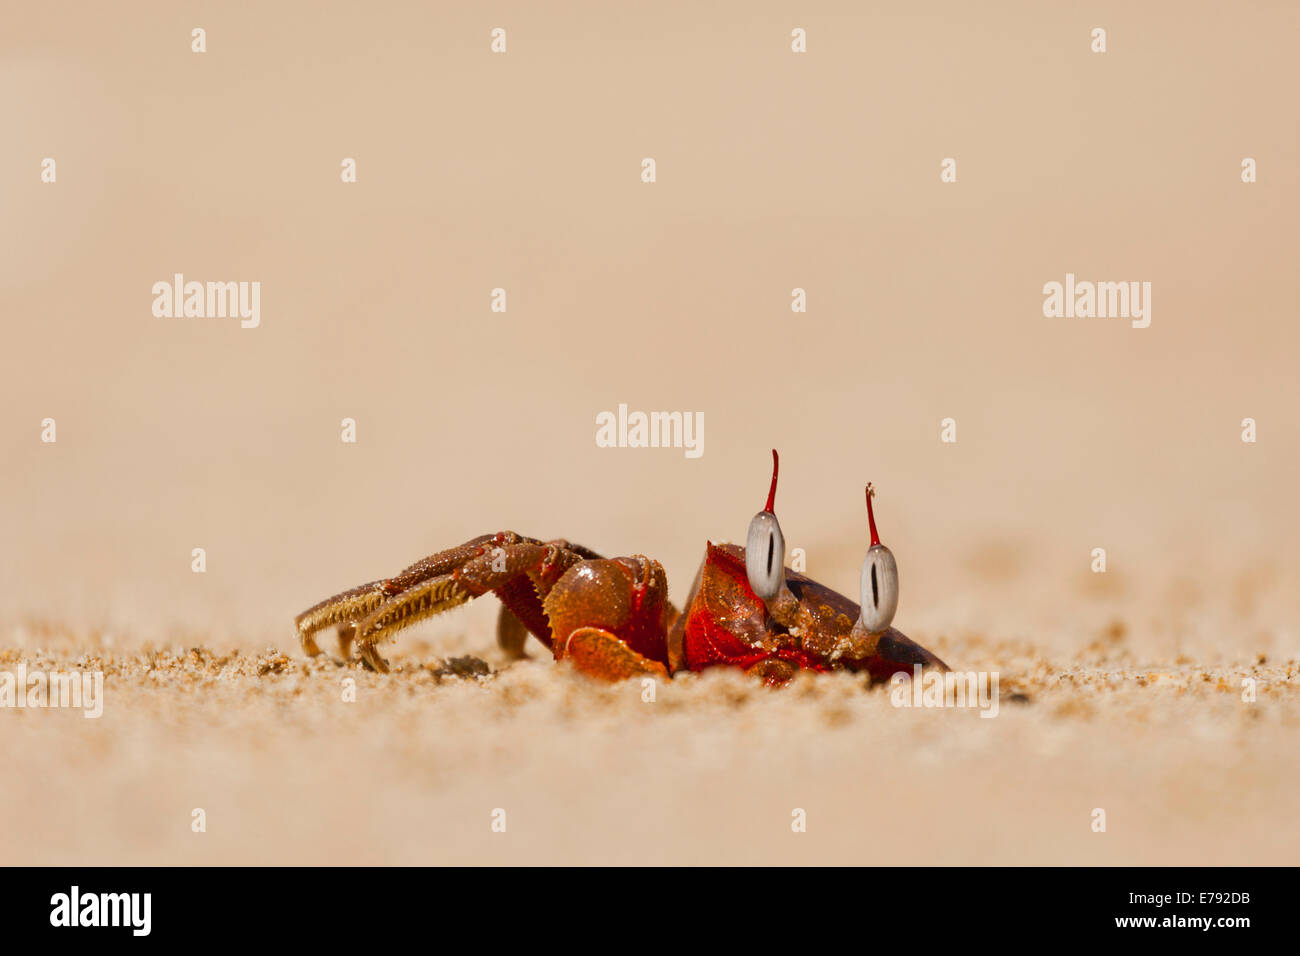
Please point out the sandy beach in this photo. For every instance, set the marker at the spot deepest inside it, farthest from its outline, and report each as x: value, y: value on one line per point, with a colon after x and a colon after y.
x: 710, y: 772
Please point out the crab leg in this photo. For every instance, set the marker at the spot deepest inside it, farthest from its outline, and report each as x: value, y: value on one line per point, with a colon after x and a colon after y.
x: 342, y: 609
x: 512, y: 633
x: 416, y: 603
x: 519, y: 570
x: 353, y: 604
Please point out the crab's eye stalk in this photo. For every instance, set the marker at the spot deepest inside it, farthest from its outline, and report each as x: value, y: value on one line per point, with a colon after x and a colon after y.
x: 765, y: 546
x: 879, y: 579
x: 765, y: 555
x: 879, y: 588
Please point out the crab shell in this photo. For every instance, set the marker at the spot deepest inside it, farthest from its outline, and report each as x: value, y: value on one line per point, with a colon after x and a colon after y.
x: 726, y: 623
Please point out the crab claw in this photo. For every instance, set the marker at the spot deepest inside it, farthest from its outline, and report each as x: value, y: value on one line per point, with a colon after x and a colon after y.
x: 608, y: 617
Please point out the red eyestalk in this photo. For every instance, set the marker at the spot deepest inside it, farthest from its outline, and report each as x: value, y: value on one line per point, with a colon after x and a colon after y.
x: 871, y: 515
x: 771, y: 494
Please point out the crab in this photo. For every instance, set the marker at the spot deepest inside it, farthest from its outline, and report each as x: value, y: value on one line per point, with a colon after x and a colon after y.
x: 611, y: 617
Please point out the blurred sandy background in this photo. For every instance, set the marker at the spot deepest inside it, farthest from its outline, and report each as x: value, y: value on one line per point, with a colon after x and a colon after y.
x: 775, y: 171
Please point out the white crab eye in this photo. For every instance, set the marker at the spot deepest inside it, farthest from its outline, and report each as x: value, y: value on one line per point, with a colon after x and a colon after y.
x: 879, y: 588
x: 765, y: 555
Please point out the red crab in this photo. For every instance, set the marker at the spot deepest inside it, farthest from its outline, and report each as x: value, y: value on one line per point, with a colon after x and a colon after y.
x: 612, y: 617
